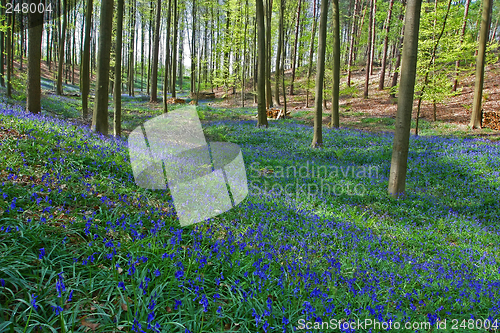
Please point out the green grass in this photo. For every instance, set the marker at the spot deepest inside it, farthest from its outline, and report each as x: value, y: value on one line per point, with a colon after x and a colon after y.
x: 72, y: 194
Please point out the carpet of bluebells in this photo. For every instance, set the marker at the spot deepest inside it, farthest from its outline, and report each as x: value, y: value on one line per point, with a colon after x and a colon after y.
x: 82, y: 248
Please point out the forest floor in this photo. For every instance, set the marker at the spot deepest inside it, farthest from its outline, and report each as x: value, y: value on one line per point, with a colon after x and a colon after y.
x: 378, y: 112
x: 84, y: 248
x: 375, y: 114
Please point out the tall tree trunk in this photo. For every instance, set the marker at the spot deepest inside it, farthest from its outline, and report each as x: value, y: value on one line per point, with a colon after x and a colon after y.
x: 278, y: 54
x: 8, y: 47
x: 373, y: 35
x: 193, y: 49
x: 33, y: 91
x: 294, y: 52
x: 156, y: 48
x: 151, y: 23
x: 386, y: 45
x: 181, y: 57
x: 320, y: 76
x: 174, y: 49
x: 369, y: 49
x: 336, y: 64
x: 311, y: 52
x: 494, y: 32
x: 118, y: 70
x: 394, y: 82
x: 131, y: 51
x: 143, y: 28
x: 462, y: 34
x: 397, y: 175
x: 166, y: 81
x: 261, y: 85
x: 49, y: 37
x: 21, y: 42
x: 350, y: 61
x: 85, y: 74
x: 100, y: 116
x: 255, y: 65
x: 269, y: 12
x: 62, y: 44
x: 477, y: 112
x: 243, y: 70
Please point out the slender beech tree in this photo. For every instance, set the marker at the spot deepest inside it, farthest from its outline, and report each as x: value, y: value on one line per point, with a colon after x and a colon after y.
x: 278, y: 53
x: 387, y: 28
x: 100, y: 116
x: 117, y: 124
x: 33, y: 91
x: 350, y: 61
x: 336, y: 64
x: 156, y: 49
x: 295, y: 44
x: 62, y: 40
x: 462, y: 34
x: 373, y: 35
x: 394, y: 82
x: 85, y: 73
x: 261, y: 63
x: 320, y: 77
x: 311, y: 52
x: 397, y: 176
x: 369, y: 49
x: 477, y: 112
x: 131, y: 51
x: 268, y: 13
x: 8, y: 49
x: 166, y: 82
x: 193, y: 49
x: 174, y: 48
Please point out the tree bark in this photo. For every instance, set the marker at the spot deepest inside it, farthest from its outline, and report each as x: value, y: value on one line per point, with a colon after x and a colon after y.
x: 166, y: 81
x: 174, y: 50
x: 156, y: 48
x: 462, y: 34
x: 62, y: 38
x: 268, y: 12
x: 278, y: 54
x: 320, y: 77
x: 100, y: 116
x: 131, y: 51
x: 386, y: 45
x: 294, y: 52
x: 311, y: 52
x: 33, y: 91
x: 397, y: 176
x: 193, y: 50
x: 261, y: 78
x: 369, y: 48
x: 336, y: 64
x: 374, y: 32
x: 118, y: 69
x: 352, y: 42
x: 8, y: 53
x: 85, y: 74
x: 477, y: 112
x: 394, y: 82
